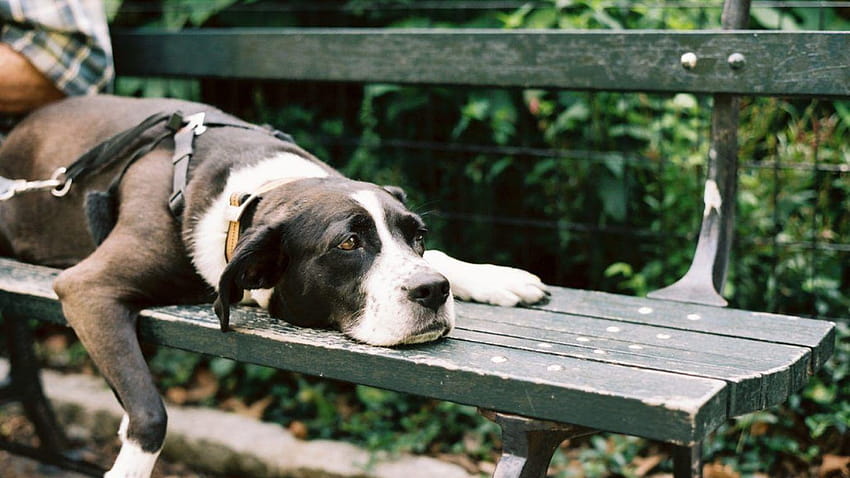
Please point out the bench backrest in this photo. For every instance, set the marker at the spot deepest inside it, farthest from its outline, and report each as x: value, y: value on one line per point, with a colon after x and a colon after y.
x: 774, y: 63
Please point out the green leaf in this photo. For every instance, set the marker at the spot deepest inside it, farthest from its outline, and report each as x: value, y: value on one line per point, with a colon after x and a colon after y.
x: 612, y: 194
x: 616, y: 164
x: 177, y: 13
x: 685, y: 101
x: 619, y: 268
x: 542, y: 18
x: 111, y: 8
x: 820, y: 393
x: 515, y: 19
x: 379, y: 89
x: 499, y: 167
x: 221, y: 367
x: 769, y: 17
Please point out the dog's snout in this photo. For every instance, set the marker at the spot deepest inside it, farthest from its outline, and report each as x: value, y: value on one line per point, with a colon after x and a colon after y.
x: 429, y: 289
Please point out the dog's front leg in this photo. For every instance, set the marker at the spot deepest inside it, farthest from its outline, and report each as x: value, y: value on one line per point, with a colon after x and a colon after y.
x: 488, y: 283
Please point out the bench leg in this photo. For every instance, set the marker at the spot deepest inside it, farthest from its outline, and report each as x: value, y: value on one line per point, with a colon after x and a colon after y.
x: 528, y: 444
x: 687, y: 461
x: 25, y: 385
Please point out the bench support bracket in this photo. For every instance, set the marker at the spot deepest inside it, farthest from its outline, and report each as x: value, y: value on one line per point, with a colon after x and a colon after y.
x: 528, y: 444
x: 703, y: 283
x: 23, y: 385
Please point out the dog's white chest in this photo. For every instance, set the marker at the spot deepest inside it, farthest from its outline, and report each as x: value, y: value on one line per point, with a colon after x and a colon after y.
x: 210, y: 234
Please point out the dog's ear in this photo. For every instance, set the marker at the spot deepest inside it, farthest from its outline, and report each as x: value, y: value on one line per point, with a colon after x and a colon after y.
x: 397, y: 193
x: 258, y: 263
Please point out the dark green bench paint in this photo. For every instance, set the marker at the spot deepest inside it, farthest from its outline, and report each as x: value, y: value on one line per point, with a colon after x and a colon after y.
x: 777, y: 63
x: 639, y: 372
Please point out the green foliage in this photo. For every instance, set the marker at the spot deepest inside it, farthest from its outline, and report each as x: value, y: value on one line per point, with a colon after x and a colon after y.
x: 158, y: 88
x: 180, y: 13
x: 173, y: 367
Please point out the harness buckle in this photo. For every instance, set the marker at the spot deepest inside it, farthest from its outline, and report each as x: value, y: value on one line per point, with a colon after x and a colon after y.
x: 195, y: 123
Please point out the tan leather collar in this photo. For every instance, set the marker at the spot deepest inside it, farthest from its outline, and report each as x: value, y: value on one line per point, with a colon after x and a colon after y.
x: 236, y: 208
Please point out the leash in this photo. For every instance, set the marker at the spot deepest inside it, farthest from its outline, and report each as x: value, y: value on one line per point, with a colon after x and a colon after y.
x: 10, y: 188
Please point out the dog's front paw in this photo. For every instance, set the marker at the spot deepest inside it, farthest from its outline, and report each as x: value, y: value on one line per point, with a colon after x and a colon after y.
x: 498, y: 285
x: 488, y: 283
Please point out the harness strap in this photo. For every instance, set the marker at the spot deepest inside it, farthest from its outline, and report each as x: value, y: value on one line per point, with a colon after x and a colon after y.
x: 183, y: 149
x: 132, y: 144
x: 109, y: 151
x: 184, y: 137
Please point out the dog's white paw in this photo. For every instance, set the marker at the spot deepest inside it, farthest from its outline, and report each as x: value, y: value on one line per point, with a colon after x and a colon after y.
x: 487, y: 283
x: 132, y: 461
x: 142, y: 470
x: 498, y: 285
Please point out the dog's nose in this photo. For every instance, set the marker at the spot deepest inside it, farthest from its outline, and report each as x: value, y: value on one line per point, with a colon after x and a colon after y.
x: 429, y: 289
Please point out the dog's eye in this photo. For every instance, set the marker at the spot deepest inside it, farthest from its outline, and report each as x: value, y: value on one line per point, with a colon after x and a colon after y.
x: 419, y: 237
x: 351, y: 243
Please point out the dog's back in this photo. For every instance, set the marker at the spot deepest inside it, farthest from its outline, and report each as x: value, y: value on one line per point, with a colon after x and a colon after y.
x: 38, y: 227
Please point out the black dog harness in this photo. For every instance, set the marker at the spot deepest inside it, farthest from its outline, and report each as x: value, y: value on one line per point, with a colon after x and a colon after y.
x: 129, y: 146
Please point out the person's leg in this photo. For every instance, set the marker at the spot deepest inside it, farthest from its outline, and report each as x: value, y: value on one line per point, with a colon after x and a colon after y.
x: 22, y: 86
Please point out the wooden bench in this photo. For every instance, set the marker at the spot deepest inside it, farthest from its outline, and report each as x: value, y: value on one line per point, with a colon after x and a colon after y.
x: 672, y: 367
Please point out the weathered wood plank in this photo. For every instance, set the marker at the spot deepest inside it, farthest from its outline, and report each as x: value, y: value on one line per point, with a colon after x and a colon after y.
x: 760, y: 374
x: 665, y: 406
x: 776, y: 63
x: 817, y: 335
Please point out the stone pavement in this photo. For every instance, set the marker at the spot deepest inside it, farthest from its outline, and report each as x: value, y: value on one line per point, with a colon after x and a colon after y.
x: 227, y: 443
x: 12, y: 466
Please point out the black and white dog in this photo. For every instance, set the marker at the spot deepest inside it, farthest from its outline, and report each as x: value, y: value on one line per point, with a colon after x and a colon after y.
x: 314, y: 248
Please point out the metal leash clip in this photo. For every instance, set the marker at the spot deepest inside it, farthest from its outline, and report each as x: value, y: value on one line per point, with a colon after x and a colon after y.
x: 62, y: 184
x: 9, y: 188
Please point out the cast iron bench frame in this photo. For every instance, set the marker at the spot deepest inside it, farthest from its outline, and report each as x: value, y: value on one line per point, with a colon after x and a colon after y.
x: 671, y: 367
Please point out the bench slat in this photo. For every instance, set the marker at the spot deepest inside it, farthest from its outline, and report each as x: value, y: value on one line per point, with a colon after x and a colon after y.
x: 760, y: 374
x: 817, y: 335
x: 777, y: 63
x: 664, y: 406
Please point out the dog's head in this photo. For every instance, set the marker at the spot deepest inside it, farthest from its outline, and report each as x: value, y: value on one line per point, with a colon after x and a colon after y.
x: 335, y: 253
